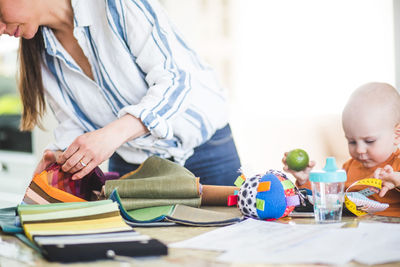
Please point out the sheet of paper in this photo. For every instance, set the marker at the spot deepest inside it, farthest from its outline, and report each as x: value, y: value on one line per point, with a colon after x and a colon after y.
x: 325, y: 247
x: 251, y: 233
x: 380, y: 243
x: 254, y: 241
x: 14, y: 252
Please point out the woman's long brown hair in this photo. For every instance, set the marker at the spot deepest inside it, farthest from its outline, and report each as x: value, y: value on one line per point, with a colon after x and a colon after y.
x: 30, y: 81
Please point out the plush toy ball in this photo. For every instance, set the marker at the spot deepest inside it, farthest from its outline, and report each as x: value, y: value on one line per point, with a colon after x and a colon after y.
x: 268, y: 196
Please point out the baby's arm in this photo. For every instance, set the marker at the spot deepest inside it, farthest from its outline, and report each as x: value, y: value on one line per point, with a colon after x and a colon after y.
x: 390, y: 179
x: 301, y: 176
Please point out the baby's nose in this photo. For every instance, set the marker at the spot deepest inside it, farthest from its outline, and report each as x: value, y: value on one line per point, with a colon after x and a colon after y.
x: 361, y: 149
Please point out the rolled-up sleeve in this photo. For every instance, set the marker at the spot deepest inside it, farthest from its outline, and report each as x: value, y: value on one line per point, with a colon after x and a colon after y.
x: 159, y: 53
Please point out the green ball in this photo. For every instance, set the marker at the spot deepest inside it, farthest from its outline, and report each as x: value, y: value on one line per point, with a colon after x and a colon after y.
x: 297, y: 159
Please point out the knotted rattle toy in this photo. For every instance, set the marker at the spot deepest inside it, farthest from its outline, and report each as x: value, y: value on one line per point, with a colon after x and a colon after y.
x: 268, y: 196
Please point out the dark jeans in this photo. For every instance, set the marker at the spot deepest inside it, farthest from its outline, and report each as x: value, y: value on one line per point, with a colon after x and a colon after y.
x: 216, y: 162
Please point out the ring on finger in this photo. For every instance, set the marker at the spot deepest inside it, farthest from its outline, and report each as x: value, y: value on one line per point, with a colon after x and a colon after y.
x: 82, y: 163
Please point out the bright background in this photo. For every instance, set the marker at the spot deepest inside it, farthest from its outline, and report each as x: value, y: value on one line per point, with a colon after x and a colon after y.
x: 288, y: 67
x: 297, y: 62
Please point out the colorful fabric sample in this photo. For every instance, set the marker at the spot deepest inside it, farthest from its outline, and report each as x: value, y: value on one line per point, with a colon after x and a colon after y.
x: 54, y: 186
x: 71, y: 218
x: 81, y: 231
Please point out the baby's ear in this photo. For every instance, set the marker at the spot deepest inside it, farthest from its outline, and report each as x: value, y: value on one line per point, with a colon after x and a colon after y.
x: 397, y: 134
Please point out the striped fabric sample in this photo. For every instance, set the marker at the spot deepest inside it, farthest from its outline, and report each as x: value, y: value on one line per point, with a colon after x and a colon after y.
x: 54, y: 186
x: 83, y: 231
x: 71, y: 218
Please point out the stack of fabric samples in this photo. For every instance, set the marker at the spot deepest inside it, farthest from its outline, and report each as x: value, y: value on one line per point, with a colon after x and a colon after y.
x: 161, y: 192
x: 84, y: 231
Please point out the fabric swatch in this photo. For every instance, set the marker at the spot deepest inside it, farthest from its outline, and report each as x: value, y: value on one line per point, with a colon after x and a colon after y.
x: 138, y: 203
x: 83, y: 231
x: 178, y: 213
x: 108, y: 250
x: 9, y: 222
x: 157, y: 182
x: 84, y: 218
x: 55, y: 186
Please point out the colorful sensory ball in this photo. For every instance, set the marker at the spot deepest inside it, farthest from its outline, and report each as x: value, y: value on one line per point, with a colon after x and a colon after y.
x: 268, y: 196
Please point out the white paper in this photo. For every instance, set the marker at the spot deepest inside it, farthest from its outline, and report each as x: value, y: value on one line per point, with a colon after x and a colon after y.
x: 250, y: 233
x: 380, y: 243
x: 325, y: 247
x: 12, y: 251
x: 255, y: 241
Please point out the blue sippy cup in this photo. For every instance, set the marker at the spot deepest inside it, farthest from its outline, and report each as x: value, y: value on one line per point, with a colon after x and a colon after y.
x: 328, y: 192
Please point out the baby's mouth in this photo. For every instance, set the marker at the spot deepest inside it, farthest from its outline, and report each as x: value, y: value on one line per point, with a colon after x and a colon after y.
x: 364, y: 161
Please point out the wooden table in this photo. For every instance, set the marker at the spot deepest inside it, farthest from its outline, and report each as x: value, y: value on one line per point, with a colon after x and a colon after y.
x: 182, y: 257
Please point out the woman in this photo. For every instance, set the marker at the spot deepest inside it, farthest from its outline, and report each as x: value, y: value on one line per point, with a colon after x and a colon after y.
x: 123, y: 86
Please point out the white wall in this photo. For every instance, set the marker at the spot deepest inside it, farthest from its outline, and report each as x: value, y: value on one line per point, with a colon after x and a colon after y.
x: 296, y: 64
x: 289, y: 67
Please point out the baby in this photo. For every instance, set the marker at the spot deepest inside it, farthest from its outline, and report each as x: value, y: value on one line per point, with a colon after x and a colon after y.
x: 371, y: 123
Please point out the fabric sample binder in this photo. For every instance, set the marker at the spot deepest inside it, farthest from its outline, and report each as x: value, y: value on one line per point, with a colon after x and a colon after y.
x: 83, y: 231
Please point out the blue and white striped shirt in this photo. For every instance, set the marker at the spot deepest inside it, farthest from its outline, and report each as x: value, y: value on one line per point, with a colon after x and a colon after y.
x: 141, y: 66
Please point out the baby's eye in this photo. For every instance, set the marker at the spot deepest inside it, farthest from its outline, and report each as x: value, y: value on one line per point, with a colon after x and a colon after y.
x: 352, y: 142
x: 369, y: 141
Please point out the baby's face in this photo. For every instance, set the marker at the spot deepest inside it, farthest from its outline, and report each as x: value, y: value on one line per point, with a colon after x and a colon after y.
x: 371, y: 138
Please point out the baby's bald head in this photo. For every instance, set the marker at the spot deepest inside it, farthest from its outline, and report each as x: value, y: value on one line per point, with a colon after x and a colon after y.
x: 373, y: 100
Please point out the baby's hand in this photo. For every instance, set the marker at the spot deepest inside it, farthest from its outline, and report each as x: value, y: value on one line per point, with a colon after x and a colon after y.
x: 390, y: 179
x: 301, y: 176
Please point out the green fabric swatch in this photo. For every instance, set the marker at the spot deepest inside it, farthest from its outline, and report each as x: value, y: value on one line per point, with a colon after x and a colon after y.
x: 149, y: 214
x: 166, y: 186
x: 157, y: 182
x: 45, y: 208
x: 181, y: 214
x: 69, y: 214
x: 156, y: 178
x: 138, y: 203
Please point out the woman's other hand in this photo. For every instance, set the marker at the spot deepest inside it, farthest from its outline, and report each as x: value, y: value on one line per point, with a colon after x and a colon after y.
x: 48, y: 158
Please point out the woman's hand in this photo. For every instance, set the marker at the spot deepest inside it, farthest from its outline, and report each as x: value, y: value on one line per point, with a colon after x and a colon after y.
x: 390, y: 179
x: 48, y: 158
x: 91, y: 149
x: 301, y: 176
